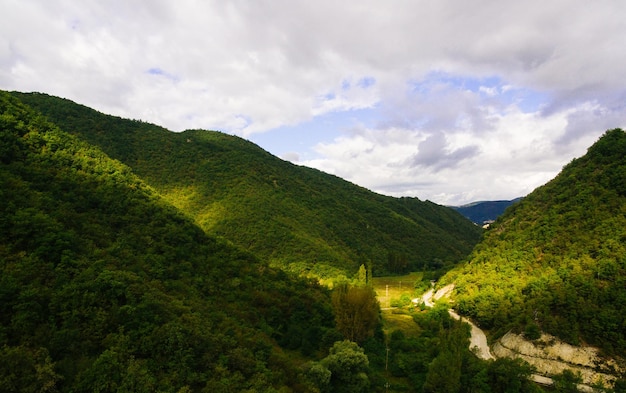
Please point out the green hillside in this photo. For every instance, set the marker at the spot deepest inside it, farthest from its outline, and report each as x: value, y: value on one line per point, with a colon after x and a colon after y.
x: 104, y: 286
x: 557, y: 259
x: 295, y: 217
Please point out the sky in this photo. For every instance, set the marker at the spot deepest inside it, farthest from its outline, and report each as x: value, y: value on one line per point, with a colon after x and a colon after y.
x: 447, y: 101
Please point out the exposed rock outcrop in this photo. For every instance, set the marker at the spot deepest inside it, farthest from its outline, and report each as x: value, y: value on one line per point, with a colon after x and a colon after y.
x: 551, y: 356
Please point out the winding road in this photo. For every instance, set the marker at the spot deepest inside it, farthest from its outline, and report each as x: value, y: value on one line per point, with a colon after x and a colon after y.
x: 478, y: 339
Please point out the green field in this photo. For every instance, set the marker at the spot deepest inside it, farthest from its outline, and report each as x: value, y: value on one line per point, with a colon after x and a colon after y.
x: 391, y: 289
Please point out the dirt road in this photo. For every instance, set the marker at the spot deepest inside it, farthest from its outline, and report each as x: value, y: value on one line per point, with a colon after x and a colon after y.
x: 478, y: 339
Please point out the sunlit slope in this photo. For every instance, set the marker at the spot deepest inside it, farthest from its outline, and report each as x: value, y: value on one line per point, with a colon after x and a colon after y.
x: 296, y: 217
x: 557, y: 259
x: 105, y: 286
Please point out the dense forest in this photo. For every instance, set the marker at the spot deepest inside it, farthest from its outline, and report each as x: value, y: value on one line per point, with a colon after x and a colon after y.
x: 556, y: 261
x: 297, y: 218
x: 111, y: 283
x: 104, y: 286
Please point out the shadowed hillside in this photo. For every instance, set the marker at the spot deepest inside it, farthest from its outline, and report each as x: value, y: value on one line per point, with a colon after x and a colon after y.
x: 298, y: 218
x: 104, y: 286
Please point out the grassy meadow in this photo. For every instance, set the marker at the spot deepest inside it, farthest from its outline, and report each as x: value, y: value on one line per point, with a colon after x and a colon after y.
x: 390, y: 292
x: 391, y: 289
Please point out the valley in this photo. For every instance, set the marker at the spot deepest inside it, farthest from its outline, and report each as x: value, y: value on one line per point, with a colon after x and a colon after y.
x: 137, y: 259
x: 547, y: 354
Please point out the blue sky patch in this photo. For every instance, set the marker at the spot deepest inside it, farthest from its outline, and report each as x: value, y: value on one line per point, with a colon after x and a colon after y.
x: 492, y: 88
x: 366, y: 82
x: 156, y: 71
x: 321, y: 129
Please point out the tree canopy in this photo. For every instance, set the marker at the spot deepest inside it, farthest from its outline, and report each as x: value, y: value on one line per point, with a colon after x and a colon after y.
x: 356, y: 311
x: 298, y: 218
x: 557, y: 259
x: 105, y: 286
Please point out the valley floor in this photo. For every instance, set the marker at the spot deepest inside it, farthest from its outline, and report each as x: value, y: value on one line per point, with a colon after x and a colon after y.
x: 548, y: 354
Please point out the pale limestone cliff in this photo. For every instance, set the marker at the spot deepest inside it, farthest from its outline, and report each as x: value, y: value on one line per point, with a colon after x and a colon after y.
x: 551, y: 356
x: 548, y: 354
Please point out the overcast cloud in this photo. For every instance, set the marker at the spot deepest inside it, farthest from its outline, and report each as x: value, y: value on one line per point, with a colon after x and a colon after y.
x: 451, y: 101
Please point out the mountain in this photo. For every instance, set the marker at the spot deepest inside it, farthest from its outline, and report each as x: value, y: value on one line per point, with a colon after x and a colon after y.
x: 298, y: 218
x: 556, y: 261
x: 105, y: 286
x: 484, y: 212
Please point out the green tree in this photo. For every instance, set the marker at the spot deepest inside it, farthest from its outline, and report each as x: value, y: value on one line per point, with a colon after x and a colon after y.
x: 566, y: 381
x: 479, y: 382
x: 532, y: 331
x: 349, y: 366
x: 319, y: 376
x: 444, y: 374
x: 510, y: 376
x: 356, y: 311
x: 362, y: 275
x: 26, y: 370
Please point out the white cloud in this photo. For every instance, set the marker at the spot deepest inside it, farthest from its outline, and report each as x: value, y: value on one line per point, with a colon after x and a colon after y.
x: 516, y: 156
x: 478, y: 83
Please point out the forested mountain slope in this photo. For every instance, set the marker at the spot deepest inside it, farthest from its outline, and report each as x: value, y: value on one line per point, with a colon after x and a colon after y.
x: 295, y: 217
x: 557, y: 260
x: 104, y: 286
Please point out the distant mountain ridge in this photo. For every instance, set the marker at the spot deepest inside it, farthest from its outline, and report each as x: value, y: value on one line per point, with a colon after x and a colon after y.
x: 298, y: 218
x: 484, y: 212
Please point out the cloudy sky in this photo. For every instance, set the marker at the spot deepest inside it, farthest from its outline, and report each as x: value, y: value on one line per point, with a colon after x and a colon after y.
x: 450, y: 101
